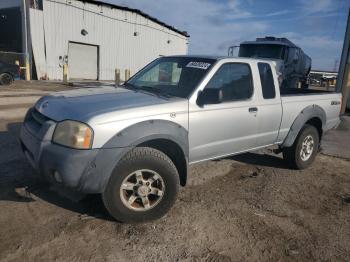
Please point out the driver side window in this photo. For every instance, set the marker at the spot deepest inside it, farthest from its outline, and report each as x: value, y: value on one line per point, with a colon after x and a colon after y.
x: 235, y: 81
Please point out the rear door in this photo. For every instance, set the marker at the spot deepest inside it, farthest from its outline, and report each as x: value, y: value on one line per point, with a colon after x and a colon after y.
x: 217, y: 130
x: 269, y: 106
x: 82, y: 61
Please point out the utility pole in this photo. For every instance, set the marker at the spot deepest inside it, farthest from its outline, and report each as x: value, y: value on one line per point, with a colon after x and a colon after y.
x: 343, y: 81
x: 27, y: 65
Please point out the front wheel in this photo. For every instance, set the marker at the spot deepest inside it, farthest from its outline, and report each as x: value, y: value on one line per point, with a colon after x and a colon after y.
x: 304, y: 150
x: 143, y: 186
x: 6, y: 79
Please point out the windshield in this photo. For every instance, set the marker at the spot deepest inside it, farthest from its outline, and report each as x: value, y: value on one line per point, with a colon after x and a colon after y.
x: 262, y: 51
x: 172, y: 76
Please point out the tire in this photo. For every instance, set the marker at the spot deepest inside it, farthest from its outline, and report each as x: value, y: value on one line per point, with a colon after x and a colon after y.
x: 293, y: 83
x: 304, y: 84
x: 6, y: 79
x: 152, y: 164
x: 294, y: 156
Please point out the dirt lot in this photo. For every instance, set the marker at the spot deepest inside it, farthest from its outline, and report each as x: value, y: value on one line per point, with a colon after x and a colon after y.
x: 244, y: 208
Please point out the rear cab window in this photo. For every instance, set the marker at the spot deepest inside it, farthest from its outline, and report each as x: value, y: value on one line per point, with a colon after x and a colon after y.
x: 267, y: 81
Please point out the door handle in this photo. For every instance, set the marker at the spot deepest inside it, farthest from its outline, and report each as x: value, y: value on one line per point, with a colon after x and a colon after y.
x: 253, y: 109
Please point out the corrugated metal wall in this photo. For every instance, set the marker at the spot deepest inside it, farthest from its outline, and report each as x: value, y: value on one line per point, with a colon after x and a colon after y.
x: 38, y: 41
x: 109, y: 28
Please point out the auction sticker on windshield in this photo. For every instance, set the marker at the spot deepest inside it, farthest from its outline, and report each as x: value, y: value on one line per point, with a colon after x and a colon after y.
x: 200, y: 65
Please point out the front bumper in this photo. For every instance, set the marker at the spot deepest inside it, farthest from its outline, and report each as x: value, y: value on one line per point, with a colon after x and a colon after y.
x: 86, y: 171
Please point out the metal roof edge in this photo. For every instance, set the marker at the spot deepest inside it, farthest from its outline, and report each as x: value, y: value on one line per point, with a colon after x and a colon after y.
x: 125, y: 8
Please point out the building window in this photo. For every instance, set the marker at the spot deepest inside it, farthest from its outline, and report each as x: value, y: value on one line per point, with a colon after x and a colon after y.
x: 11, y: 30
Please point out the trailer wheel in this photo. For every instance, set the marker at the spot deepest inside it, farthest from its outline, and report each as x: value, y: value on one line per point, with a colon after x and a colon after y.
x: 143, y: 186
x: 6, y: 79
x: 304, y: 150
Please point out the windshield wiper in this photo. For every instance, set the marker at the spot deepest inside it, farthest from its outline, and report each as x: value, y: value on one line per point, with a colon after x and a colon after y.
x: 129, y: 85
x: 154, y: 90
x: 149, y: 89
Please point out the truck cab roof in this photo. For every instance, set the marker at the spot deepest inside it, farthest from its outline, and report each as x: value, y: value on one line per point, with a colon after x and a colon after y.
x: 230, y: 58
x: 269, y: 40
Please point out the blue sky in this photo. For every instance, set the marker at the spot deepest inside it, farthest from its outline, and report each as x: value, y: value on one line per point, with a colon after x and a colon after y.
x: 317, y: 26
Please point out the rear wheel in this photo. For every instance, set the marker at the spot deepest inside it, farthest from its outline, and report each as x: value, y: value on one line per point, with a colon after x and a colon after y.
x: 143, y: 186
x: 304, y: 150
x: 6, y: 79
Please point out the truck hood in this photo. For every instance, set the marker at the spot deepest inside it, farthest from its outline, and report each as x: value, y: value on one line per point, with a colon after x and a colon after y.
x: 84, y: 104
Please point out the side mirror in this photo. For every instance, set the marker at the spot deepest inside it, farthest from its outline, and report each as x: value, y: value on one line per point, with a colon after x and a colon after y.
x: 210, y: 96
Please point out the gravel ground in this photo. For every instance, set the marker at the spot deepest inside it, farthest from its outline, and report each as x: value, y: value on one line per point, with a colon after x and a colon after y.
x: 244, y: 208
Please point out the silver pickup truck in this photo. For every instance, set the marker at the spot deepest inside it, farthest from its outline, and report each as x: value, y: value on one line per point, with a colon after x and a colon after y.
x: 133, y: 143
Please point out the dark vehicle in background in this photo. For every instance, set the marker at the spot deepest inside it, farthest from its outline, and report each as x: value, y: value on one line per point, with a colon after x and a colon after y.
x: 8, y: 73
x: 296, y: 64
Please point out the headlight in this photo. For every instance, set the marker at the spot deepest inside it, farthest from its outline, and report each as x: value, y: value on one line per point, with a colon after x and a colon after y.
x: 73, y: 134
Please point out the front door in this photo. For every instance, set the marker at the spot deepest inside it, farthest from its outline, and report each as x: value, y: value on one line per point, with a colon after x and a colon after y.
x: 229, y: 127
x: 270, y: 107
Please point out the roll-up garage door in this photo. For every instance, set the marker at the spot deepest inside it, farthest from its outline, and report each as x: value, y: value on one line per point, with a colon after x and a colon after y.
x: 82, y: 61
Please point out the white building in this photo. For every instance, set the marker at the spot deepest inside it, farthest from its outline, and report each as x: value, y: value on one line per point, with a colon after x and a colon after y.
x: 92, y: 37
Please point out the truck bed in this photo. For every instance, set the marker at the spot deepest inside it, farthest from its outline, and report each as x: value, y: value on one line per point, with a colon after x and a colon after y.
x: 302, y: 91
x: 298, y: 99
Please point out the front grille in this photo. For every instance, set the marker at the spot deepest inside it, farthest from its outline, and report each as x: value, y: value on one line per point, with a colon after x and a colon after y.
x: 39, y: 118
x: 34, y: 121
